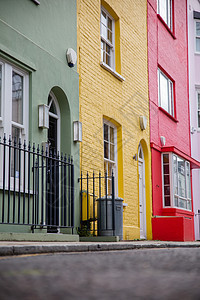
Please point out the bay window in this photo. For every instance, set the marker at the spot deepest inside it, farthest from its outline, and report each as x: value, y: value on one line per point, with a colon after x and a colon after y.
x: 176, y: 181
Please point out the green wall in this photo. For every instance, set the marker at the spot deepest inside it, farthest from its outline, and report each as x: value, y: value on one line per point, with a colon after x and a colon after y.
x: 36, y: 38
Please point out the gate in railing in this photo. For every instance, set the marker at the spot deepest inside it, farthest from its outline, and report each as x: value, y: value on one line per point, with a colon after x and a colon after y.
x: 36, y: 186
x: 97, y: 205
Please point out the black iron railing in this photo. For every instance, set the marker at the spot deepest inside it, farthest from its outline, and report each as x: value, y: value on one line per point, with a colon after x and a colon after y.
x: 97, y: 205
x: 36, y: 186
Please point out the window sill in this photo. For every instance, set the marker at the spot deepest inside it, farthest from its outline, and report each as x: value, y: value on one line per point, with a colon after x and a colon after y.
x: 166, y: 26
x: 177, y: 211
x: 113, y: 72
x: 166, y: 113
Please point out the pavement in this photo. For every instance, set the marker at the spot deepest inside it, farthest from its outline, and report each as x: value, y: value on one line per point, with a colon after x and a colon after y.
x: 9, y: 248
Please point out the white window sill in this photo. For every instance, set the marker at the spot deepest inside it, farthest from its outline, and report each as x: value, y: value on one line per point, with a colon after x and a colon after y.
x: 113, y: 72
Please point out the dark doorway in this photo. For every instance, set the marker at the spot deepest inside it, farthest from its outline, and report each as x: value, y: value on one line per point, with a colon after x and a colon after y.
x: 53, y: 179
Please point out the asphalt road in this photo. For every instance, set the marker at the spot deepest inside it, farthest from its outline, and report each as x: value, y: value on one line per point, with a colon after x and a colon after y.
x: 132, y: 274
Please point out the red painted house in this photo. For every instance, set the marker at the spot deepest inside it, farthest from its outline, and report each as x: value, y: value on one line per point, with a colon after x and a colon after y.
x: 169, y: 121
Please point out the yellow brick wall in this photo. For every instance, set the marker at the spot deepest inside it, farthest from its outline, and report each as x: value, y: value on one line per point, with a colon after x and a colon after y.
x: 102, y: 94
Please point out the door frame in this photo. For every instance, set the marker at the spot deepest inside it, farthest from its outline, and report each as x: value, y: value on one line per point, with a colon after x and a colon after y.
x: 141, y: 161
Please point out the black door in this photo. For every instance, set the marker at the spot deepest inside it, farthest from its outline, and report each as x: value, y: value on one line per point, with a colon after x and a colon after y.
x: 53, y: 179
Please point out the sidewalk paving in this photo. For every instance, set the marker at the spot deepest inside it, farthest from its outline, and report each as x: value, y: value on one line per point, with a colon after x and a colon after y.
x: 9, y: 248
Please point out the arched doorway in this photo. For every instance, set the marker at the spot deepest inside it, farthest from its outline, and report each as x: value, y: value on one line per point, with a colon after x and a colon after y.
x: 142, y: 192
x: 53, y: 168
x: 54, y: 123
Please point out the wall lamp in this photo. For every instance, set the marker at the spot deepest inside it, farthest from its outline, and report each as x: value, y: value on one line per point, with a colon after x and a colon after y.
x: 77, y: 131
x: 43, y: 112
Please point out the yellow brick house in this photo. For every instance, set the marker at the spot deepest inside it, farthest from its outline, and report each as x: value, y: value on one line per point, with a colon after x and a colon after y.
x: 114, y: 107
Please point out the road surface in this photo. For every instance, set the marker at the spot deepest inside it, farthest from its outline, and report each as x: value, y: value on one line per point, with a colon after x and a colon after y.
x: 131, y: 274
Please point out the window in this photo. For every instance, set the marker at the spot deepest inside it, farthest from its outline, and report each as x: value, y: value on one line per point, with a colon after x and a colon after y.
x: 197, y: 36
x: 110, y: 152
x: 165, y: 93
x: 164, y: 9
x: 198, y: 109
x: 14, y: 100
x: 0, y: 88
x: 107, y: 39
x: 176, y: 181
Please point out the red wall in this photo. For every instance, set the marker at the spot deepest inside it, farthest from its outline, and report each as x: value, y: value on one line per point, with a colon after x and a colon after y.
x: 168, y: 51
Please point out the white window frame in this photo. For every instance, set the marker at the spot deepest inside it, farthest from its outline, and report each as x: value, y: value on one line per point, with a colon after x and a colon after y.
x: 187, y: 199
x: 168, y: 18
x: 6, y: 118
x: 198, y: 109
x: 2, y: 91
x: 106, y: 41
x: 107, y: 161
x: 196, y: 37
x: 170, y: 93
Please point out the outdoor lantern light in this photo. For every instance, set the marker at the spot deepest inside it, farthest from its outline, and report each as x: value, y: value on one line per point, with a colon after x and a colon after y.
x: 71, y: 57
x: 43, y: 110
x: 77, y: 131
x: 163, y: 141
x: 143, y: 122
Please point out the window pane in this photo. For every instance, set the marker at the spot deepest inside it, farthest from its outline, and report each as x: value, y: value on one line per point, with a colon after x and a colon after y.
x: 105, y: 132
x: 106, y: 150
x: 166, y: 179
x: 103, y: 18
x: 199, y: 119
x: 164, y: 92
x: 104, y: 32
x: 111, y: 134
x: 109, y: 24
x: 166, y: 158
x: 199, y: 101
x: 181, y: 177
x: 198, y: 44
x: 175, y: 173
x: 15, y: 157
x: 53, y: 108
x: 112, y: 152
x: 171, y: 109
x: 17, y: 98
x: 188, y: 180
x: 0, y: 86
x: 176, y: 201
x: 163, y: 9
x: 198, y: 28
x: 167, y: 201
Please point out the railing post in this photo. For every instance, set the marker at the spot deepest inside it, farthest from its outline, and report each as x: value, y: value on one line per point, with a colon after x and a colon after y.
x: 81, y: 197
x: 88, y: 225
x: 19, y: 177
x: 113, y: 203
x: 72, y: 195
x: 24, y: 190
x: 9, y: 175
x: 93, y: 204
x: 106, y: 181
x: 4, y: 176
x: 99, y: 219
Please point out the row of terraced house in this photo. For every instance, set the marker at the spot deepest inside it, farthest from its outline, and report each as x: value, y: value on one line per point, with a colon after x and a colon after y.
x: 99, y: 120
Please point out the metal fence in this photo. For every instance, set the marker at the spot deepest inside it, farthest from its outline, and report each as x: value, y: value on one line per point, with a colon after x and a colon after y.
x: 36, y: 186
x: 97, y: 205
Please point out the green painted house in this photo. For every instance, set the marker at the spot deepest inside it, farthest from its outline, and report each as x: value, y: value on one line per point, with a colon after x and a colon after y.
x: 39, y: 102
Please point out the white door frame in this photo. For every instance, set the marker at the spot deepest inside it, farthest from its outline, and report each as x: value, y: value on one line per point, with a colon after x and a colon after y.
x: 142, y: 192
